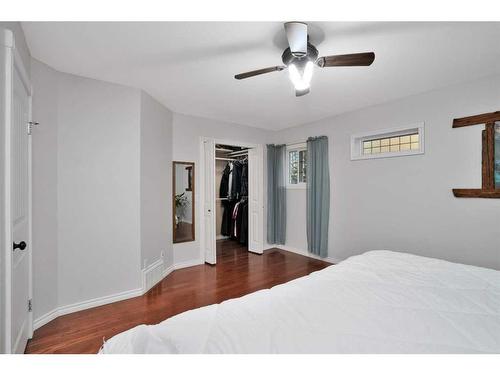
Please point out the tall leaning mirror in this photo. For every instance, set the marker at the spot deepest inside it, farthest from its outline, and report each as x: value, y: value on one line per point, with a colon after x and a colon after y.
x: 183, y: 191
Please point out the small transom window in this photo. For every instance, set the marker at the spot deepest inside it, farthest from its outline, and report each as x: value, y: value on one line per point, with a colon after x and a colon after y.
x: 393, y: 144
x: 388, y: 143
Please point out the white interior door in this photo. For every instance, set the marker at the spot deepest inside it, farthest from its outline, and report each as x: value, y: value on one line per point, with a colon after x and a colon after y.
x: 256, y: 200
x: 20, y: 215
x: 208, y: 241
x: 6, y: 40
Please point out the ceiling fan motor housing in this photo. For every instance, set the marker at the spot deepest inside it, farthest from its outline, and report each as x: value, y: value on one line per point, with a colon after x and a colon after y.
x: 288, y: 58
x: 296, y: 33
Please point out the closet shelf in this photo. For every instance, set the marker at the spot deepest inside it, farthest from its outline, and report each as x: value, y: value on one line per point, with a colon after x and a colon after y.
x: 223, y: 149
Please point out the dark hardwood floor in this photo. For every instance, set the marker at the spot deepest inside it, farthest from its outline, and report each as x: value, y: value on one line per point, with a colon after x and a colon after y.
x: 237, y: 273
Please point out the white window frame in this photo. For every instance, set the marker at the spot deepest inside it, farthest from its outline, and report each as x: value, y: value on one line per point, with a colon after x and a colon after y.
x: 294, y: 147
x: 358, y: 139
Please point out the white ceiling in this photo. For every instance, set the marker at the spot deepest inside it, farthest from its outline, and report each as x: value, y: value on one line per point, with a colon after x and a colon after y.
x: 189, y: 66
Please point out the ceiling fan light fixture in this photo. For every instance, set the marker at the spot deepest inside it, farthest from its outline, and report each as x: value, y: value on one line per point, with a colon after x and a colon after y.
x: 301, y: 79
x: 301, y: 56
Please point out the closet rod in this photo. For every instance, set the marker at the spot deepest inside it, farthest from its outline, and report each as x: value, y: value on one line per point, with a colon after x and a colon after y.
x: 239, y: 153
x: 223, y: 149
x: 228, y: 159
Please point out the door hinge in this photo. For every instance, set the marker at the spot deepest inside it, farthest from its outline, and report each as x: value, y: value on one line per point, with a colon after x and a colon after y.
x: 30, y: 126
x: 30, y: 306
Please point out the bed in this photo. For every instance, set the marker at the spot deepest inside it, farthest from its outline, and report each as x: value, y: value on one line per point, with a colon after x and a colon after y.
x: 377, y: 302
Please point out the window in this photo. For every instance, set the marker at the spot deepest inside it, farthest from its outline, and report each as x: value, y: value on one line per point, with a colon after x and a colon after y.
x: 296, y: 165
x: 392, y: 144
x: 388, y: 143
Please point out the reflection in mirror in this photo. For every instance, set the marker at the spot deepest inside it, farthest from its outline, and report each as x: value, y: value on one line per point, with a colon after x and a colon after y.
x: 183, y: 201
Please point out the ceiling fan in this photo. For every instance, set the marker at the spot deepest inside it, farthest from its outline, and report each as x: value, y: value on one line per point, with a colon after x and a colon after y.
x: 301, y: 56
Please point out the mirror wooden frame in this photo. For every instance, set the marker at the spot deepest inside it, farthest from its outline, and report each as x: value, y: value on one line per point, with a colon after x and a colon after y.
x: 488, y: 189
x: 193, y: 193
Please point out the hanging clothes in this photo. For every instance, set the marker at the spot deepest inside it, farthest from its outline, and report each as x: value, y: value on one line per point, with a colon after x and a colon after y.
x: 235, y: 189
x: 244, y: 179
x: 234, y: 192
x: 224, y: 183
x: 234, y: 181
x: 227, y: 205
x: 227, y: 212
x: 234, y: 217
x: 243, y: 237
x: 231, y: 178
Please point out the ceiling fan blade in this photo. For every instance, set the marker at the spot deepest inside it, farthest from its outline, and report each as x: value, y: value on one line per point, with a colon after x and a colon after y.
x: 296, y: 33
x: 259, y: 71
x: 354, y: 59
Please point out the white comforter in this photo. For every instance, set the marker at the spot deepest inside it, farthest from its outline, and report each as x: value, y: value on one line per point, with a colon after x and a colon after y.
x: 378, y: 302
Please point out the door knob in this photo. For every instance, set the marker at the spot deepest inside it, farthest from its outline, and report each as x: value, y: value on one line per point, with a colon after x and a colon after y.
x: 21, y: 246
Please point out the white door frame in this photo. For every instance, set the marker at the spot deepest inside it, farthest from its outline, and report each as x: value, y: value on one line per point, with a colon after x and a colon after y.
x: 207, y: 205
x: 201, y: 185
x: 13, y: 61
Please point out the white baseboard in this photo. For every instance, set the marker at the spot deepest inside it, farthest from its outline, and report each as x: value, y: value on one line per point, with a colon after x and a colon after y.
x: 189, y: 263
x: 79, y: 306
x: 68, y: 309
x: 152, y: 275
x: 45, y: 318
x: 95, y: 302
x: 168, y: 270
x: 307, y: 254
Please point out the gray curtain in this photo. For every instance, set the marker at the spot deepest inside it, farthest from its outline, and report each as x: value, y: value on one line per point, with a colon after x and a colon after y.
x: 318, y: 196
x: 276, y: 194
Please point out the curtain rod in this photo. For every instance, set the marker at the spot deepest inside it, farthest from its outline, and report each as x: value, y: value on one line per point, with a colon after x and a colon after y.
x: 296, y: 143
x: 305, y: 141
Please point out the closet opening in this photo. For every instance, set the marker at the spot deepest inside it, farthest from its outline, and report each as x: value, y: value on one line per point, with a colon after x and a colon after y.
x: 231, y: 202
x: 232, y: 198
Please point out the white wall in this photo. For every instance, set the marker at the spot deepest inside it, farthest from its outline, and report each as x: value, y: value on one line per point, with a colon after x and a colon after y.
x: 156, y: 183
x: 98, y: 189
x: 406, y: 203
x: 45, y: 224
x: 186, y: 141
x: 101, y: 190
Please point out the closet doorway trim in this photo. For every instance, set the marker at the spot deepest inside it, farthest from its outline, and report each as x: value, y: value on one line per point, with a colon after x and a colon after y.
x: 256, y: 196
